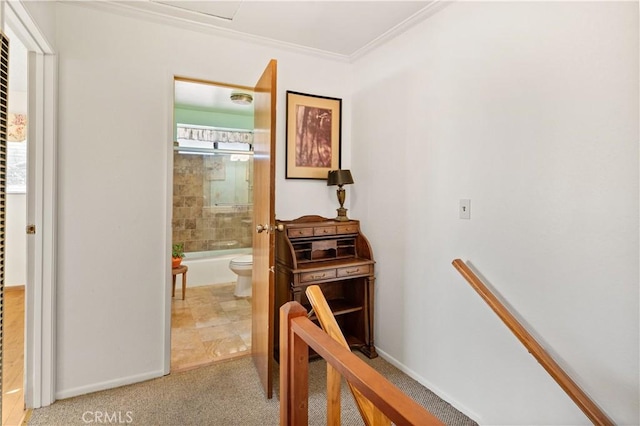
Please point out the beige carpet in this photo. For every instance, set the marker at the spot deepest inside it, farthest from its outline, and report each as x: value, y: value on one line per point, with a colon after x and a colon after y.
x: 226, y: 393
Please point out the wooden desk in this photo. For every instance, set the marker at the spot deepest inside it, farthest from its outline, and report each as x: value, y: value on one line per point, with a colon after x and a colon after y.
x: 182, y: 269
x: 338, y: 258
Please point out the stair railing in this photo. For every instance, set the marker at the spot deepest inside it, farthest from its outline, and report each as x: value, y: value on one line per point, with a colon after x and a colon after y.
x: 297, y: 334
x: 579, y: 397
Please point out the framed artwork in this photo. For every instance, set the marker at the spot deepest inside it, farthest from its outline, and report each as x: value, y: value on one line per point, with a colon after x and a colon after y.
x: 313, y: 135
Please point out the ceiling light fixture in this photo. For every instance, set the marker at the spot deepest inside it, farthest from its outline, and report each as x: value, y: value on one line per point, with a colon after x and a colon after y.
x: 241, y: 98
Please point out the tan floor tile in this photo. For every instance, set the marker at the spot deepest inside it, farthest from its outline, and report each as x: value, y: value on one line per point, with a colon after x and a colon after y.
x: 246, y: 338
x: 208, y: 334
x: 182, y: 319
x: 235, y: 305
x: 243, y: 326
x: 212, y: 320
x: 184, y: 338
x: 210, y: 325
x: 206, y: 311
x: 198, y: 300
x: 223, y: 290
x: 224, y: 347
x: 188, y: 358
x: 178, y: 303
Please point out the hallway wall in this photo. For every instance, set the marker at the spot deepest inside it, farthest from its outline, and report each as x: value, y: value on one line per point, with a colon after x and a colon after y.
x: 529, y: 109
x: 115, y: 102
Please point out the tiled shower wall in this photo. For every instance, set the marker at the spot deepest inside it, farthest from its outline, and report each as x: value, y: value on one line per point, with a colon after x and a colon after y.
x: 199, y: 226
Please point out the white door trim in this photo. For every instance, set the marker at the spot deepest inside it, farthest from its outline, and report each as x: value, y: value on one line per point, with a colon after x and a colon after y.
x: 40, y: 309
x: 168, y: 235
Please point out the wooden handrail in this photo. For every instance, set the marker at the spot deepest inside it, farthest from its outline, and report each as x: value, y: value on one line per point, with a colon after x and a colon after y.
x: 579, y: 397
x: 297, y: 334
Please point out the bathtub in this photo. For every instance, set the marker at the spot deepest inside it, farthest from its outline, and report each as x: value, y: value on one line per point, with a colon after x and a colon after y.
x: 211, y: 267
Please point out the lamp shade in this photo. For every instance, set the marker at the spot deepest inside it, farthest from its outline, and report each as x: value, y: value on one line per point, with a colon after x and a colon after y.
x: 339, y: 177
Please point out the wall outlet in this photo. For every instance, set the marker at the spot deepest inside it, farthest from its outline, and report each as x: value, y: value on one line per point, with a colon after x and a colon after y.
x: 465, y: 209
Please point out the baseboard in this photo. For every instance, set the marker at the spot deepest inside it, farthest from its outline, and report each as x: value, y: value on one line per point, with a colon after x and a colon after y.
x: 110, y: 384
x: 427, y: 384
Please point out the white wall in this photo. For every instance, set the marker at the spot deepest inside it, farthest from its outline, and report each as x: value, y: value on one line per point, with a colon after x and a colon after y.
x: 16, y: 240
x: 530, y: 110
x: 115, y: 102
x: 16, y: 204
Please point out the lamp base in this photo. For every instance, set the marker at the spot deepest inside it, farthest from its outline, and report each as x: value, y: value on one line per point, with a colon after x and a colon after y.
x: 342, y: 215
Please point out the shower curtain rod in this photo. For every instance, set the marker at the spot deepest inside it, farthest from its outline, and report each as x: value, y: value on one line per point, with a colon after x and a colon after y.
x: 209, y: 151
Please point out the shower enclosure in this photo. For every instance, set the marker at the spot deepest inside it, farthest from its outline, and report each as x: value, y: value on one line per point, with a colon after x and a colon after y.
x: 212, y: 190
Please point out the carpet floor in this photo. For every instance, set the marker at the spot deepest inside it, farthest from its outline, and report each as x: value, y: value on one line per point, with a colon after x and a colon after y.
x: 225, y: 393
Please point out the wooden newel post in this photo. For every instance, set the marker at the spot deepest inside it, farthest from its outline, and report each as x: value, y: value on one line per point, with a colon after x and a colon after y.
x: 294, y: 356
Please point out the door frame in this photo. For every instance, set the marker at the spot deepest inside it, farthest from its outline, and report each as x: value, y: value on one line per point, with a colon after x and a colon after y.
x: 171, y: 78
x: 40, y: 308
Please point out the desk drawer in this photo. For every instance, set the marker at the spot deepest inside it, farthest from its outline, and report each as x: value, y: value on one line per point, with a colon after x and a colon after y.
x: 324, y: 230
x: 351, y: 271
x: 300, y: 232
x: 318, y: 275
x: 347, y: 229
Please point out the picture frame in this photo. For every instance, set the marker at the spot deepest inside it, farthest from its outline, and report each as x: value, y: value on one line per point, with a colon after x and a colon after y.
x: 314, y: 135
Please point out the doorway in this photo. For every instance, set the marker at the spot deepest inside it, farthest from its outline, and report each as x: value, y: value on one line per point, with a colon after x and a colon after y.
x: 212, y: 216
x: 262, y: 282
x: 15, y: 238
x: 39, y: 293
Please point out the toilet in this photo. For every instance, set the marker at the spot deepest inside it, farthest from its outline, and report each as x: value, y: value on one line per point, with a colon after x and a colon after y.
x: 242, y: 266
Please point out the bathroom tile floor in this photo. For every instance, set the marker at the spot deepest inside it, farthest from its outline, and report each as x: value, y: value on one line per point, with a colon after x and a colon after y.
x: 210, y: 325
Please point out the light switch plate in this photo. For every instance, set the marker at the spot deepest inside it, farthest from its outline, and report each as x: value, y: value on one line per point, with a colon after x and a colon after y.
x: 465, y: 209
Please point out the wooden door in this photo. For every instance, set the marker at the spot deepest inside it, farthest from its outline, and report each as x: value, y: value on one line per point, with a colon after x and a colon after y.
x: 264, y: 145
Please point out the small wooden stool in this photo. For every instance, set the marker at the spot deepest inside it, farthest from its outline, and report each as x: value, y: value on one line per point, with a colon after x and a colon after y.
x: 182, y: 269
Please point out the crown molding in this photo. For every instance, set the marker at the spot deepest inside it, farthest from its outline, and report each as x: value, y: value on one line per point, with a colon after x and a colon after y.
x: 187, y: 19
x: 423, y: 14
x: 198, y: 22
x: 18, y: 17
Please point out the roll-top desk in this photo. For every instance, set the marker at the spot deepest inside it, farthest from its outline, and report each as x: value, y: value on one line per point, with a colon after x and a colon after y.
x: 337, y: 257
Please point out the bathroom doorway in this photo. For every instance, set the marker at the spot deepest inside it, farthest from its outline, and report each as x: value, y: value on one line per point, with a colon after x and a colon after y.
x: 212, y: 218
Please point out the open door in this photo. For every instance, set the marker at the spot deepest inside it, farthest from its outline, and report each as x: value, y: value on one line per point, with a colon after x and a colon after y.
x: 264, y: 146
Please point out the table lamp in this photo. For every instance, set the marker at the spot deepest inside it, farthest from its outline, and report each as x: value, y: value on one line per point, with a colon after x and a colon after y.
x: 340, y: 177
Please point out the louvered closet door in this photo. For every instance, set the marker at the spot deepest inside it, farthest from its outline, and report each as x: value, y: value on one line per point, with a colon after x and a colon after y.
x: 4, y: 98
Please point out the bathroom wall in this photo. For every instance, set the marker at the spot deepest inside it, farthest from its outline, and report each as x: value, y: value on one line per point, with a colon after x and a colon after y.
x: 204, y: 117
x: 211, y: 208
x: 197, y: 222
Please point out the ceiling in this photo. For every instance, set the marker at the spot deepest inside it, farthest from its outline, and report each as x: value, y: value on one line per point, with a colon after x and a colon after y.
x: 342, y: 29
x: 209, y: 97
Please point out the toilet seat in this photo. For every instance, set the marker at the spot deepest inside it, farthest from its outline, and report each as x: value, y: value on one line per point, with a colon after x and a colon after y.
x: 243, y: 267
x: 243, y: 260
